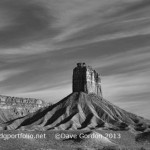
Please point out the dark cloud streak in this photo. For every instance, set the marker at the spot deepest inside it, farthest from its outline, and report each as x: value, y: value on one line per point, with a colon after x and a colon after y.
x: 31, y: 23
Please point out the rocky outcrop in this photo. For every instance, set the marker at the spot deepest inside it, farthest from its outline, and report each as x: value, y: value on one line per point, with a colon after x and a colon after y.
x: 14, y: 107
x: 86, y: 79
x: 6, y: 101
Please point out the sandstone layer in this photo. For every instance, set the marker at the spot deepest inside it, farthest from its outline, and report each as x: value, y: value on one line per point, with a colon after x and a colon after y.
x: 86, y: 79
x: 14, y: 107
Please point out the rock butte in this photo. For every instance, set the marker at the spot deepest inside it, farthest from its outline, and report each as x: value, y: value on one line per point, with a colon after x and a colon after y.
x: 86, y: 79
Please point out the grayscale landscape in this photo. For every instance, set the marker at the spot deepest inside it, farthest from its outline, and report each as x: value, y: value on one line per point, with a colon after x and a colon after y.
x: 74, y: 75
x: 82, y: 118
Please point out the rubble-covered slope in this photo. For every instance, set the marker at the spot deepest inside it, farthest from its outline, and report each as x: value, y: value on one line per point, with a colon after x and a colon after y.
x: 79, y: 111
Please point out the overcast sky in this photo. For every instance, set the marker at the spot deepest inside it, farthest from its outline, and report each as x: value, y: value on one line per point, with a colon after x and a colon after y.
x: 42, y: 40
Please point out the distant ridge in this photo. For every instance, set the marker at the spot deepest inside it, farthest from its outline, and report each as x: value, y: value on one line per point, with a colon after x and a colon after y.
x: 14, y: 107
x: 83, y: 109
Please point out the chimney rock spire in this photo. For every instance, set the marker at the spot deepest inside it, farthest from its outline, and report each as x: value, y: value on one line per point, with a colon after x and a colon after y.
x: 86, y: 79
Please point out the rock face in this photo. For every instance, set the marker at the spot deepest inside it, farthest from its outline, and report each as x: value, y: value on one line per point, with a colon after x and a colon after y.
x: 14, y: 107
x: 6, y: 101
x: 86, y: 79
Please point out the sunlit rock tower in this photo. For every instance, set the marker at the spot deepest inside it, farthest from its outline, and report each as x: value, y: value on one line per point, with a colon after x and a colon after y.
x: 86, y: 79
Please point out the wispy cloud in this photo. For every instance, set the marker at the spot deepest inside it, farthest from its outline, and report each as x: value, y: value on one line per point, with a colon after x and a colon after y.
x: 42, y: 40
x: 28, y: 22
x: 135, y: 60
x: 122, y: 86
x: 9, y: 73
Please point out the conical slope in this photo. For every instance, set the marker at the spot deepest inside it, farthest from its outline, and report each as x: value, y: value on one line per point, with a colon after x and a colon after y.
x: 78, y: 111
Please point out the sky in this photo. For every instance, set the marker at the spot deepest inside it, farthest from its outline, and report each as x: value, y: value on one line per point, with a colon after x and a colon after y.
x: 42, y: 40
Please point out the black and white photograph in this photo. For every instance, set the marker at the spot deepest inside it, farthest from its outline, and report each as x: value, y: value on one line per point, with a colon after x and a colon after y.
x: 74, y: 74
